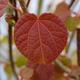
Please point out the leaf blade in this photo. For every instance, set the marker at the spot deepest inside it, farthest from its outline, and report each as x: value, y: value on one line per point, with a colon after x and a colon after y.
x: 40, y: 38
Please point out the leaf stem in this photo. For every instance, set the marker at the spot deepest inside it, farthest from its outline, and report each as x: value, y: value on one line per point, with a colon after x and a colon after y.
x: 39, y: 6
x: 13, y: 2
x: 69, y: 44
x: 10, y: 50
x: 22, y: 4
x: 64, y: 68
x: 71, y: 3
x: 78, y: 46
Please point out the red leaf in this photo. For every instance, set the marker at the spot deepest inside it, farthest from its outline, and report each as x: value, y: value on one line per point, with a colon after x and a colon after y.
x: 44, y: 72
x: 42, y: 38
x: 48, y: 72
x: 3, y: 4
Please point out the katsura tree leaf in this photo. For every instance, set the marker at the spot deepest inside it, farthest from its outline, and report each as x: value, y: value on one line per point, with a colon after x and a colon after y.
x: 72, y: 23
x: 8, y: 70
x: 65, y: 61
x: 75, y: 71
x: 40, y: 38
x: 63, y: 11
x: 44, y: 72
x: 26, y: 73
x: 3, y: 4
x: 21, y: 61
x: 48, y: 72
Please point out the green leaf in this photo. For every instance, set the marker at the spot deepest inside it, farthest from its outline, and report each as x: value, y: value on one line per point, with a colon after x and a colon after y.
x: 65, y: 60
x: 21, y: 61
x: 71, y: 23
x: 9, y: 9
x: 8, y: 70
x: 4, y: 39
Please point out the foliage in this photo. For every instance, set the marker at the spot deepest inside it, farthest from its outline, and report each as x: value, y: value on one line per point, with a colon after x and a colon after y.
x: 41, y: 39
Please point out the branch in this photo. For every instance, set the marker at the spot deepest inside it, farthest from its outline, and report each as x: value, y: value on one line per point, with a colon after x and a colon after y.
x: 10, y: 50
x: 39, y: 6
x: 69, y: 44
x: 13, y: 2
x: 64, y: 68
x: 28, y: 3
x: 78, y: 46
x: 71, y: 3
x: 22, y: 4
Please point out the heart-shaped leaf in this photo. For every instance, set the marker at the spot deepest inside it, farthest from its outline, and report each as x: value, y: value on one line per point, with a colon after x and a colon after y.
x: 41, y: 39
x: 44, y: 72
x: 3, y: 4
x: 48, y: 72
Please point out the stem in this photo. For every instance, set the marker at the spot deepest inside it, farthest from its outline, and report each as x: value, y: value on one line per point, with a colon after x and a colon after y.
x: 28, y: 3
x: 39, y: 6
x: 10, y: 51
x: 22, y: 3
x: 71, y: 38
x: 64, y: 68
x: 13, y: 2
x: 71, y: 3
x: 78, y: 46
x: 78, y: 43
x: 16, y: 14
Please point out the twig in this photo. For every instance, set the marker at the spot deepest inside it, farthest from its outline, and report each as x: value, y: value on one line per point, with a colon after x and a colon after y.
x: 78, y: 46
x: 28, y: 3
x: 72, y: 1
x: 64, y: 68
x: 78, y: 43
x: 22, y: 3
x: 39, y: 6
x: 71, y: 38
x: 16, y: 14
x: 13, y: 2
x: 10, y: 50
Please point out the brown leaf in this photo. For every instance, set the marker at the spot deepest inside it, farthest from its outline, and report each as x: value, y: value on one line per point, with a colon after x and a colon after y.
x: 75, y: 71
x: 62, y: 11
x: 26, y: 73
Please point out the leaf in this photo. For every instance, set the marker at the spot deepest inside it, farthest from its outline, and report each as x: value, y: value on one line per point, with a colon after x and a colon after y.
x: 65, y: 61
x: 75, y: 72
x: 3, y: 4
x: 40, y: 38
x: 8, y: 70
x: 44, y: 72
x: 26, y: 73
x: 63, y: 11
x: 21, y: 61
x: 71, y: 23
x: 48, y: 72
